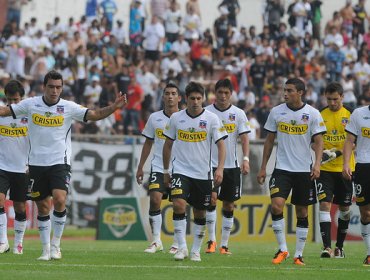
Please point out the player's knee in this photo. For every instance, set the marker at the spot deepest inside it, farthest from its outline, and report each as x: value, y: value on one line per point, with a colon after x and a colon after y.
x: 59, y: 202
x: 276, y: 209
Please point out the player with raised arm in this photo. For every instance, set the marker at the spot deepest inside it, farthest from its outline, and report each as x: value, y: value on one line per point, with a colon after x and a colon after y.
x: 236, y: 125
x: 193, y: 130
x: 13, y: 166
x: 50, y: 120
x: 294, y: 124
x: 358, y: 132
x: 330, y: 186
x: 153, y: 133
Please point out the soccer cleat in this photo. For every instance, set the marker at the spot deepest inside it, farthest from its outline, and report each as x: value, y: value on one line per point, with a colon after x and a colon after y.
x: 195, y: 256
x: 299, y: 260
x: 280, y: 256
x: 225, y: 251
x: 4, y: 248
x: 154, y: 247
x: 367, y: 261
x: 45, y: 256
x: 211, y: 247
x: 55, y: 252
x: 18, y: 250
x: 339, y: 253
x: 181, y: 254
x: 172, y: 250
x: 326, y: 253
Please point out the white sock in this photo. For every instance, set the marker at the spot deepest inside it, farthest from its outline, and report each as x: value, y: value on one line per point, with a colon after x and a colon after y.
x: 19, y: 229
x: 156, y: 224
x: 211, y: 217
x: 44, y: 231
x: 3, y: 228
x: 199, y: 231
x: 180, y: 232
x: 301, y: 236
x: 279, y: 231
x: 324, y: 216
x: 227, y: 225
x: 365, y: 232
x: 58, y: 228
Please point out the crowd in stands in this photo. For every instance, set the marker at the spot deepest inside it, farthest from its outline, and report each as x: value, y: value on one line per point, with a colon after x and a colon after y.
x: 99, y: 56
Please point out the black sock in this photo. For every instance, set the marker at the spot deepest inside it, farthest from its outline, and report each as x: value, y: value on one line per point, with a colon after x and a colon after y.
x: 341, y: 232
x: 326, y: 234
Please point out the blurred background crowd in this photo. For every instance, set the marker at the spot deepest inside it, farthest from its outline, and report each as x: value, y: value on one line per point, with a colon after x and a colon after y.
x: 161, y: 41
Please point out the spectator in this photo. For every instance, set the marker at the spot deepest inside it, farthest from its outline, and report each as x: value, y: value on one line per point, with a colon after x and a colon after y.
x: 14, y: 10
x: 172, y: 20
x: 234, y: 9
x: 119, y: 32
x: 192, y: 25
x: 108, y: 8
x: 158, y: 8
x: 92, y: 91
x: 361, y: 15
x: 91, y: 10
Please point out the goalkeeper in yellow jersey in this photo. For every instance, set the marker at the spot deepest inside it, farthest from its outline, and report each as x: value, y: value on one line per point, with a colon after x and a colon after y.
x: 330, y: 186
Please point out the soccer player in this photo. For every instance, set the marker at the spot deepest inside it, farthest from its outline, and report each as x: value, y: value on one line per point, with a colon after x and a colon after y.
x: 294, y: 124
x: 13, y: 166
x: 236, y: 124
x: 358, y: 131
x: 193, y: 130
x: 50, y: 153
x: 330, y: 186
x: 153, y: 132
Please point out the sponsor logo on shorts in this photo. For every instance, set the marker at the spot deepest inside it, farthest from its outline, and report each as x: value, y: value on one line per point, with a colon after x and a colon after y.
x: 153, y: 186
x: 360, y: 199
x: 176, y: 191
x: 321, y: 196
x: 35, y: 194
x: 274, y: 190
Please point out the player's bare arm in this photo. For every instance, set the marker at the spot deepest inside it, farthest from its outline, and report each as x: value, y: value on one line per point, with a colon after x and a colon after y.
x: 219, y: 173
x: 101, y: 113
x: 244, y: 139
x: 347, y: 151
x: 318, y: 148
x: 144, y: 156
x: 167, y: 148
x: 5, y: 111
x: 267, y: 150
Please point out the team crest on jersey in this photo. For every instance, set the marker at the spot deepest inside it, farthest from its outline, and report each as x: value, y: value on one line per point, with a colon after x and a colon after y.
x: 305, y: 117
x: 293, y: 122
x: 202, y: 124
x: 344, y: 121
x: 60, y: 109
x: 232, y: 117
x: 24, y: 120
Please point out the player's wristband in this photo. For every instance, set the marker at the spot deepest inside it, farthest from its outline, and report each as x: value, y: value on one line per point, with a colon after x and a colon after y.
x: 165, y: 171
x: 246, y: 158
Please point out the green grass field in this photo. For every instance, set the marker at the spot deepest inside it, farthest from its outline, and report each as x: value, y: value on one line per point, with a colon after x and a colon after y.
x: 85, y: 258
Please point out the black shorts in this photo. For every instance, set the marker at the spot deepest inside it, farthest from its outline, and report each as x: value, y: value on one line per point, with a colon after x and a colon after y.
x: 152, y: 55
x: 15, y: 183
x: 361, y: 181
x: 196, y: 192
x: 303, y: 189
x: 331, y: 187
x: 44, y: 179
x: 156, y: 184
x: 230, y: 188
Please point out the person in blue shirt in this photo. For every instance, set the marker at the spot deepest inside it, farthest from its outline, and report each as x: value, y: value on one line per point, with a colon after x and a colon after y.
x: 109, y: 9
x: 91, y: 9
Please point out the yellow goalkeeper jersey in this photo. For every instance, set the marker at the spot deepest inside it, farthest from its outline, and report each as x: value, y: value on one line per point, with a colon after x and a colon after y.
x: 335, y: 136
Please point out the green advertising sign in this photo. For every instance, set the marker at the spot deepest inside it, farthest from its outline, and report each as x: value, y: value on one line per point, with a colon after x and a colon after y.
x: 119, y: 219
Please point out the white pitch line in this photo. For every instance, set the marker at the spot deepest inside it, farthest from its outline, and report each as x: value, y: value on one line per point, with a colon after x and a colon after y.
x: 51, y: 263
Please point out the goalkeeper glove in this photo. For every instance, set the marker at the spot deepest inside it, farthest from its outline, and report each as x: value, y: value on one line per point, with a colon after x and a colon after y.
x: 329, y: 155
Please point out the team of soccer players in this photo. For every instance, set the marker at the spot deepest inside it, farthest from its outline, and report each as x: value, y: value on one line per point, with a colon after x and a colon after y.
x: 195, y: 162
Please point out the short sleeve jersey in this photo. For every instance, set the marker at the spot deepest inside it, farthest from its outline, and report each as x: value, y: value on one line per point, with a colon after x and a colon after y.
x: 335, y: 136
x: 194, y: 137
x: 235, y: 123
x: 154, y: 131
x: 14, y: 144
x: 49, y: 129
x: 359, y: 126
x: 294, y: 130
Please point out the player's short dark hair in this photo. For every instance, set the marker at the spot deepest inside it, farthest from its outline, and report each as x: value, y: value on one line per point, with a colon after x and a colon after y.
x: 298, y: 83
x: 13, y: 87
x: 224, y: 83
x: 334, y: 87
x: 171, y: 85
x: 52, y: 75
x: 194, y: 87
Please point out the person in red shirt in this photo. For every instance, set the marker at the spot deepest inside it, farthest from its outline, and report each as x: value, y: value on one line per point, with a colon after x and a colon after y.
x: 132, y: 112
